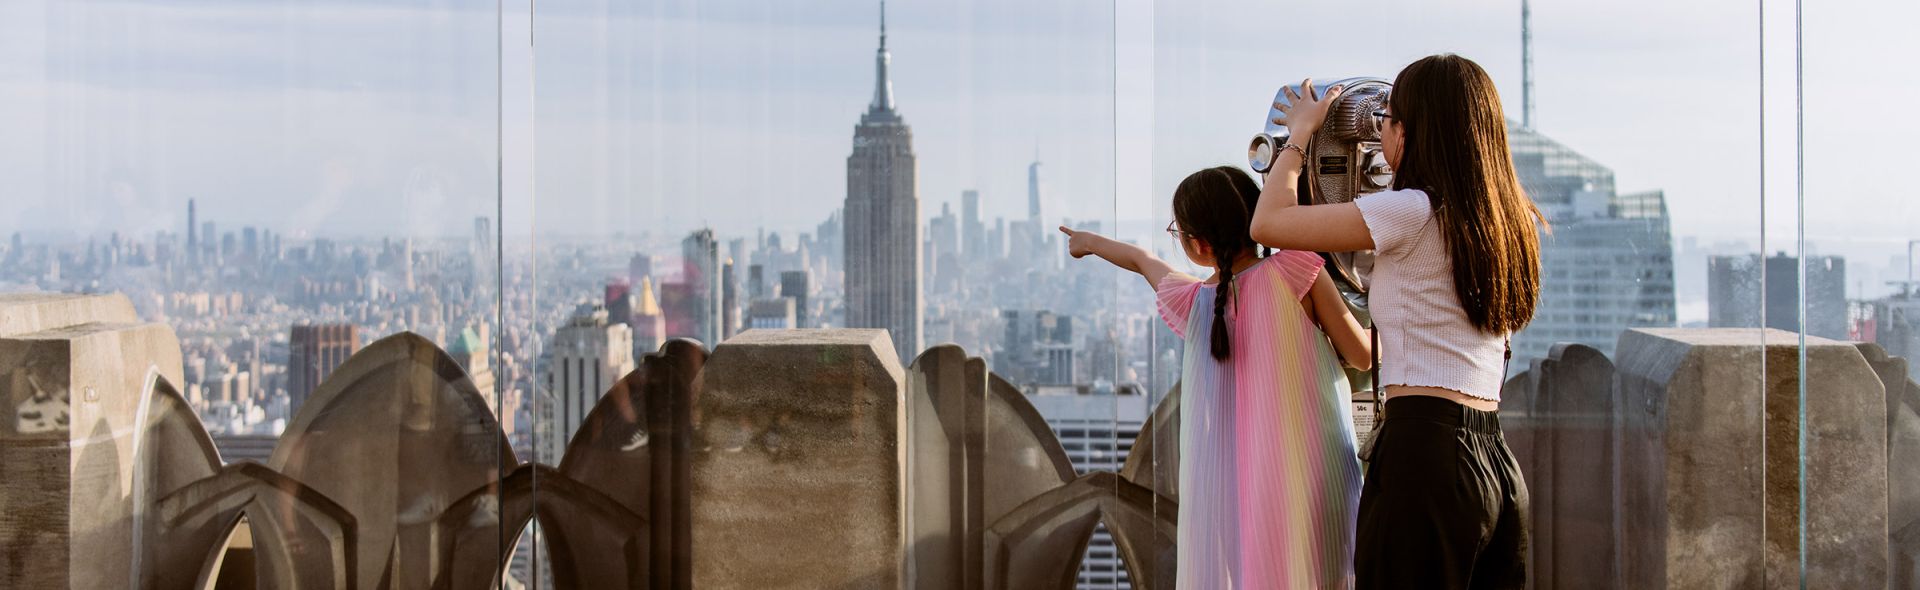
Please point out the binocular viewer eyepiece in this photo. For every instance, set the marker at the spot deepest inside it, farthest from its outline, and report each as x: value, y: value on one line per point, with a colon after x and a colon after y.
x: 1344, y: 160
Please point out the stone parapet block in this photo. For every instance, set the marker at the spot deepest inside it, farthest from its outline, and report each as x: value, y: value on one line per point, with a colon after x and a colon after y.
x: 75, y: 373
x: 23, y: 313
x: 798, y: 462
x: 1710, y: 467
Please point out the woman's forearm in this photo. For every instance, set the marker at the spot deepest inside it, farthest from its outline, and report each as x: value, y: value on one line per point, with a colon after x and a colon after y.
x: 1276, y: 196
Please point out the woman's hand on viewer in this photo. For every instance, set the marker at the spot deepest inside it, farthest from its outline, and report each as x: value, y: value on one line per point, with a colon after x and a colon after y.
x: 1304, y: 116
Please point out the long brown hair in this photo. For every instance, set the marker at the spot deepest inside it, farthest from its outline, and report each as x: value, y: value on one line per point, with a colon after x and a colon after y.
x: 1456, y: 150
x: 1216, y: 206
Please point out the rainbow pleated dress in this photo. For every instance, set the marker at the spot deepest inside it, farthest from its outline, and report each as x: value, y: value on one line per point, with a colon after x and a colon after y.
x: 1269, y: 480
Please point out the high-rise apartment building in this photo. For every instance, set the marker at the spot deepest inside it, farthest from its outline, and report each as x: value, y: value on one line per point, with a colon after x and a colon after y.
x: 701, y: 272
x: 882, y: 231
x: 794, y: 285
x: 1734, y: 285
x: 1606, y: 266
x: 586, y: 357
x: 1098, y: 431
x: 313, y: 352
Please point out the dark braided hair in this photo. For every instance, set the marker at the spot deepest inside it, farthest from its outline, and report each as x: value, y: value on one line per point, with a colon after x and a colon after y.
x: 1249, y: 194
x: 1216, y: 205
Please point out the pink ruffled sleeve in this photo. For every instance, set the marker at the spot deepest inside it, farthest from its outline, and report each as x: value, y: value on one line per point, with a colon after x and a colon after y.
x: 1297, y: 269
x: 1175, y: 294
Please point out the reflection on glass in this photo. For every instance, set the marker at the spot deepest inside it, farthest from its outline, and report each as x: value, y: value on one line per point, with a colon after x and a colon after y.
x: 355, y: 245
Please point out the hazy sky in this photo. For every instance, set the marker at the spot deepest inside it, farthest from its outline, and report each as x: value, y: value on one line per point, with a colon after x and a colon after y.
x: 333, y: 116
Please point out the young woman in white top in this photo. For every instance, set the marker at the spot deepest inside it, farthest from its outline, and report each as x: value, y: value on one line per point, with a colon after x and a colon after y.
x: 1457, y: 271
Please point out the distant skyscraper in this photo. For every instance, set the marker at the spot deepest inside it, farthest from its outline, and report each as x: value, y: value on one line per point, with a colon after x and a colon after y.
x: 729, y: 300
x: 997, y: 240
x: 1607, y: 265
x: 1825, y: 297
x: 943, y: 256
x: 209, y: 244
x: 1734, y: 285
x: 944, y: 232
x: 702, y: 272
x: 588, y: 356
x: 193, y: 233
x: 794, y: 285
x: 882, y: 231
x: 406, y: 263
x: 1033, y: 193
x: 313, y: 352
x: 1733, y: 291
x: 482, y: 255
x: 470, y: 350
x: 648, y: 322
x: 756, y: 282
x: 250, y: 243
x: 973, y: 233
x: 618, y: 299
x: 639, y: 267
x: 680, y: 305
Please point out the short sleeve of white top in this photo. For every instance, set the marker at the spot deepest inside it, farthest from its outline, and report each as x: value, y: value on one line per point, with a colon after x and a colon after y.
x: 1426, y: 339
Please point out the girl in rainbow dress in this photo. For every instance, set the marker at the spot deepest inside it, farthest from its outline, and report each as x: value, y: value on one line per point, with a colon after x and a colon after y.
x: 1269, y: 481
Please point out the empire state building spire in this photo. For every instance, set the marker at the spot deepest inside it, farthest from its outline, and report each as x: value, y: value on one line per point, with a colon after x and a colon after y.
x: 882, y: 85
x: 882, y: 245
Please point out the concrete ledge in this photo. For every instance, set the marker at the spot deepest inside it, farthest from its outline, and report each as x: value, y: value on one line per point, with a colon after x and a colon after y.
x: 73, y: 392
x: 798, y: 473
x: 22, y: 313
x: 1710, y: 465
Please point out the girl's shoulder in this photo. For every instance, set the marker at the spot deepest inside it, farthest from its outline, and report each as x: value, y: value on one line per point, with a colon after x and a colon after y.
x: 1297, y: 269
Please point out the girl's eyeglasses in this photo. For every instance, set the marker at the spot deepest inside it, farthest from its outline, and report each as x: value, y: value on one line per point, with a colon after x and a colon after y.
x: 1173, y: 229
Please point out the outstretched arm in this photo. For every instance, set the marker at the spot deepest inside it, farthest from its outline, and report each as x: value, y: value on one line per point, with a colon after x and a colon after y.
x: 1330, y: 311
x: 1127, y: 256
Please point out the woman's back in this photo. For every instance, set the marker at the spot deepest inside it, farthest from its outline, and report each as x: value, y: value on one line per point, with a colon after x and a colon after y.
x: 1424, y: 332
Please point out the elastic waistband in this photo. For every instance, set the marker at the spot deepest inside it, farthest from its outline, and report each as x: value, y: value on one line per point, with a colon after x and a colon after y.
x: 1442, y: 410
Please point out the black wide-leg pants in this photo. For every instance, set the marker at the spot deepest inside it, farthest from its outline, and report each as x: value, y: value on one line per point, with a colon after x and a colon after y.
x: 1444, y: 505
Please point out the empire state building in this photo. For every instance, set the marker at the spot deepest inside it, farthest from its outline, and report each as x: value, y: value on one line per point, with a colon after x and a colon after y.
x: 883, y: 218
